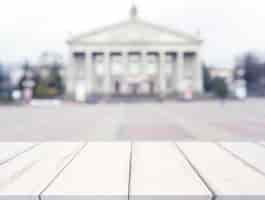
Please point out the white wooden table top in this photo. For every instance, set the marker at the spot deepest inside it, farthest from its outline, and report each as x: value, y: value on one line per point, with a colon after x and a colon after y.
x: 10, y: 150
x: 159, y: 169
x: 124, y: 170
x: 227, y: 176
x: 100, y: 170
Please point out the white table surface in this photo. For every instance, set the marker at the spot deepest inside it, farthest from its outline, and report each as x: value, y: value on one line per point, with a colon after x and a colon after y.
x: 143, y: 170
x: 228, y: 177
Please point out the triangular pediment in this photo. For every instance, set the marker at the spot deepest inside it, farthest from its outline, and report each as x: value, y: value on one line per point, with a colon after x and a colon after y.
x: 135, y: 31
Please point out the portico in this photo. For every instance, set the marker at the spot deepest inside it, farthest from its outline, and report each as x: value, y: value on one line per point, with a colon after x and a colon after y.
x: 135, y: 57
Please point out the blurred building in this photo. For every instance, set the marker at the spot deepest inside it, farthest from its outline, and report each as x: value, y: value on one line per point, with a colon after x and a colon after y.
x: 134, y: 56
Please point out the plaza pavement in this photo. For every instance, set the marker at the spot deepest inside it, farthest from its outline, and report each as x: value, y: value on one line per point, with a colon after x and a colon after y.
x: 183, y: 121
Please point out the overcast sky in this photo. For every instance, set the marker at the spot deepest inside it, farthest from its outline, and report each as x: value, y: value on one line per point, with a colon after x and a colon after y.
x: 229, y: 27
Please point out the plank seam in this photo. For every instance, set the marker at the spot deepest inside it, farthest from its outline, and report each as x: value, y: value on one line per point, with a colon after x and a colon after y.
x: 60, y: 171
x: 130, y: 170
x: 197, y: 172
x: 242, y: 160
x: 19, y: 154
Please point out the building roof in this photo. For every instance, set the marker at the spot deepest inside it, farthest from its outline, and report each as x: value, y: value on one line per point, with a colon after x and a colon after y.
x: 134, y: 30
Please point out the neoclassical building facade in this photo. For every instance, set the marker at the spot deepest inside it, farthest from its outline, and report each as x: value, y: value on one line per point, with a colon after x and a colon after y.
x: 134, y: 57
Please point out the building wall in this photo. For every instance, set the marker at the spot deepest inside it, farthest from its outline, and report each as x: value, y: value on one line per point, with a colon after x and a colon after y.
x: 78, y: 69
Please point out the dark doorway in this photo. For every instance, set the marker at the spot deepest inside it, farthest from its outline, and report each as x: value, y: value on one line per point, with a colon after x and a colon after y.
x: 117, y: 87
x: 151, y: 87
x: 135, y: 89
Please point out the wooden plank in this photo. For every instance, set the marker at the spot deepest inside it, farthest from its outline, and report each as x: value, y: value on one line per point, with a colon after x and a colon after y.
x: 160, y: 171
x: 228, y: 177
x: 27, y: 175
x: 101, y: 171
x: 9, y: 150
x: 250, y: 153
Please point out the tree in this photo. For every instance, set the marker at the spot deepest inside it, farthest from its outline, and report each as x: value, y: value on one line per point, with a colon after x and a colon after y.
x: 28, y: 75
x: 50, y: 83
x: 220, y: 88
x: 207, y: 80
x: 2, y: 73
x: 5, y: 84
x: 254, y: 71
x: 56, y: 80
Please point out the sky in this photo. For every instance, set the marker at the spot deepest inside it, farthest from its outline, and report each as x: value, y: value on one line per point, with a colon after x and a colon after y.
x: 228, y: 27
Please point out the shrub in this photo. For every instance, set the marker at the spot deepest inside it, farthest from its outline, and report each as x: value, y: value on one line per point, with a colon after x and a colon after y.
x: 44, y: 91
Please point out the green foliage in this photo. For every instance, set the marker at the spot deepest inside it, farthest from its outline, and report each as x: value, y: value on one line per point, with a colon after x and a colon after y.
x: 42, y: 90
x: 50, y: 87
x: 207, y: 80
x: 219, y: 87
x: 56, y: 81
x: 5, y: 85
x: 26, y: 66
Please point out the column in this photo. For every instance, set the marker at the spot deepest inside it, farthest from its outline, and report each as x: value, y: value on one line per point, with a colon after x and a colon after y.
x: 107, y: 78
x: 70, y: 75
x: 143, y: 87
x: 143, y: 60
x: 197, y: 80
x: 173, y: 77
x: 162, y: 74
x: 180, y: 71
x: 124, y: 55
x: 80, y: 77
x: 124, y: 86
x: 90, y: 73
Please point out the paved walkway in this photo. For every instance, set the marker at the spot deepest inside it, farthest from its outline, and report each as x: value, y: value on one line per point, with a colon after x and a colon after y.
x: 203, y: 121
